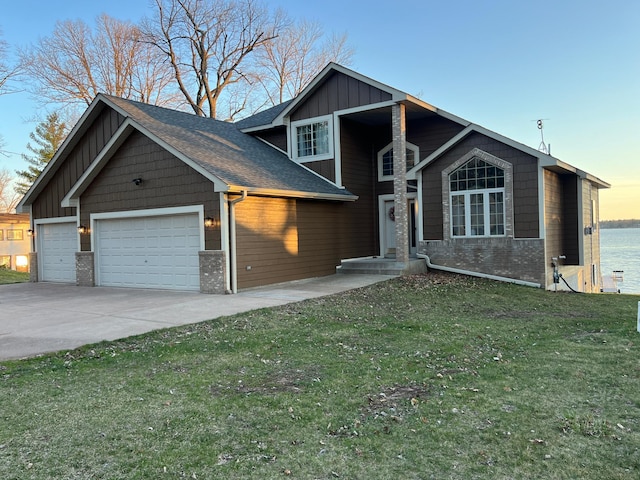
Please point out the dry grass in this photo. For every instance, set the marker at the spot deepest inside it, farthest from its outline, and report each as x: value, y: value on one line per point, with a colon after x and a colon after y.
x: 430, y: 376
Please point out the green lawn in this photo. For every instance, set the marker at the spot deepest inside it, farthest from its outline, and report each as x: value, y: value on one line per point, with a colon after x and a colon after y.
x: 11, y: 276
x: 434, y: 376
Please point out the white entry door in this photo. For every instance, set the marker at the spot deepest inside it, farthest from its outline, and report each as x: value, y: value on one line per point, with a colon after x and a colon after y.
x: 149, y: 252
x: 57, y: 246
x: 388, y: 236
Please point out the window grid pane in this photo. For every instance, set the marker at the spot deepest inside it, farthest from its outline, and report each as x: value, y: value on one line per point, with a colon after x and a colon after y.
x: 313, y: 139
x: 477, y: 174
x: 496, y: 209
x: 458, y: 215
x: 387, y: 163
x: 476, y: 205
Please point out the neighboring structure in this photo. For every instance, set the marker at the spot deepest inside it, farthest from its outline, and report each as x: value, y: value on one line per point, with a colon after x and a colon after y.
x: 15, y: 241
x: 141, y: 196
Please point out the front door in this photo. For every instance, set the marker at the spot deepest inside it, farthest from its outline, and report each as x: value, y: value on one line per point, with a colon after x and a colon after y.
x: 388, y: 227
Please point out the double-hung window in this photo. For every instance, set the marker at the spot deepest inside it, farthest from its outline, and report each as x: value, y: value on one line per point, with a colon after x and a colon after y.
x: 477, y: 191
x: 313, y: 139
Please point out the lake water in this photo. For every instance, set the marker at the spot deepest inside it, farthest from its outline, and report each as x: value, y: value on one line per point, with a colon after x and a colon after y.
x: 620, y: 250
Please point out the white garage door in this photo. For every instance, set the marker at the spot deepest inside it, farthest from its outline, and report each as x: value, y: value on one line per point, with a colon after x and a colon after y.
x: 58, y: 243
x: 149, y: 252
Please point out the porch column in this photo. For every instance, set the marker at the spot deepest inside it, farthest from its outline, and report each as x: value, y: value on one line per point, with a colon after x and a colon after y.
x: 398, y: 124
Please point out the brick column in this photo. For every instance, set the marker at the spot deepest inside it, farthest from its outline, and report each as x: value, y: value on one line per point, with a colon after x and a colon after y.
x: 33, y: 267
x: 401, y: 210
x: 85, y: 271
x: 212, y: 271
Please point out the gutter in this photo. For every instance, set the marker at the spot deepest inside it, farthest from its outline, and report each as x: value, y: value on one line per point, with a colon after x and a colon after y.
x: 476, y: 274
x: 232, y: 234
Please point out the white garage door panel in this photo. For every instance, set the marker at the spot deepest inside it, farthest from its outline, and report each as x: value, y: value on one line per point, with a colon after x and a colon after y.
x: 58, y: 244
x: 149, y: 252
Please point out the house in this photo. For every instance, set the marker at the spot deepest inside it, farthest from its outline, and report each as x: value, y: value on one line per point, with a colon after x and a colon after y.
x: 15, y: 241
x: 142, y: 196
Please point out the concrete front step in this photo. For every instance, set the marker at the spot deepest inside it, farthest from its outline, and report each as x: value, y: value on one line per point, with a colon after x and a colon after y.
x: 381, y: 266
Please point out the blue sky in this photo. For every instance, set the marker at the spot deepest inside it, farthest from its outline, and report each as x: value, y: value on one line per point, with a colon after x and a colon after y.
x: 502, y: 64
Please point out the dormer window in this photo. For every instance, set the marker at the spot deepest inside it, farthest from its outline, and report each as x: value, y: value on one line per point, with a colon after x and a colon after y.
x: 313, y: 139
x: 385, y: 160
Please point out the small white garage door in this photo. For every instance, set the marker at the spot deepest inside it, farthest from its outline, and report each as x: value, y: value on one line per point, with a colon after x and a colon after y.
x: 149, y: 252
x: 58, y: 243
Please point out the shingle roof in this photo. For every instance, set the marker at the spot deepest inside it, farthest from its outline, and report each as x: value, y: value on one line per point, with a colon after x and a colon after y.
x: 220, y: 148
x: 262, y: 118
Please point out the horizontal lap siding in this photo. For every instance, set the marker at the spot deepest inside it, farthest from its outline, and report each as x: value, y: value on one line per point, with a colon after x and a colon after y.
x: 71, y: 167
x: 359, y: 220
x: 280, y: 240
x: 166, y: 182
x: 525, y: 186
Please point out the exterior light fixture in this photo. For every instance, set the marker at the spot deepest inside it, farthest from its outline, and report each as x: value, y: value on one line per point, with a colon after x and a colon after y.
x: 82, y: 229
x: 31, y: 232
x: 210, y: 222
x: 137, y: 181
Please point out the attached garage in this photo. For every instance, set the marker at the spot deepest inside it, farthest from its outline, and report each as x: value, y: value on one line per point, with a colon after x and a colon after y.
x: 57, y: 247
x: 148, y: 252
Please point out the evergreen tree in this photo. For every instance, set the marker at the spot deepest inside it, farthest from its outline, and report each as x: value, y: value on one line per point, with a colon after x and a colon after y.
x: 47, y: 138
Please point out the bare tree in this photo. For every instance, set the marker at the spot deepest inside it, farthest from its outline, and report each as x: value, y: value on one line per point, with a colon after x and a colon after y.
x: 75, y: 63
x: 9, y: 198
x: 289, y: 62
x: 7, y: 70
x: 207, y: 43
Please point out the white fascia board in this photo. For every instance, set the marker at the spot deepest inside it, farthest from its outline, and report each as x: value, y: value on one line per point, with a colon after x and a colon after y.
x: 267, y: 192
x: 52, y: 165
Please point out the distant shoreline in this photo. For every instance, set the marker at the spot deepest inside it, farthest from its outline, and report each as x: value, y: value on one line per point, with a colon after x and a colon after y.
x: 620, y: 223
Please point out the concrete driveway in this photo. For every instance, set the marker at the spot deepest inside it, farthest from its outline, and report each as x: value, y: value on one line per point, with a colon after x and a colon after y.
x: 37, y: 318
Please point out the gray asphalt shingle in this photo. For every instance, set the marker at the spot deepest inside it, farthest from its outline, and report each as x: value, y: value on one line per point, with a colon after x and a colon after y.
x: 221, y: 149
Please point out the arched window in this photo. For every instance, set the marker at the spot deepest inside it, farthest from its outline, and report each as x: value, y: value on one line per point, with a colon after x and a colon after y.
x: 385, y: 160
x: 477, y: 199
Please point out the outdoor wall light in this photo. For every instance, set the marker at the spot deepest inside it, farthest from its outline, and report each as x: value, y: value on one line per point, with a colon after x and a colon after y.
x: 137, y: 181
x: 210, y: 222
x: 31, y: 232
x: 82, y: 229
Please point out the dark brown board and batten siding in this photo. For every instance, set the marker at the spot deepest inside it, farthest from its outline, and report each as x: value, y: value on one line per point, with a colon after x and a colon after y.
x: 338, y: 92
x: 48, y: 202
x: 166, y: 182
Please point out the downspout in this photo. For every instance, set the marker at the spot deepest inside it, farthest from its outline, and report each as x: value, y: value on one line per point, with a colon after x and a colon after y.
x: 476, y: 274
x: 232, y: 234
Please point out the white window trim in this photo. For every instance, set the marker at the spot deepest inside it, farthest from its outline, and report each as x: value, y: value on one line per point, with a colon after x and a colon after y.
x: 486, y: 211
x: 294, y: 139
x: 508, y: 193
x: 410, y: 146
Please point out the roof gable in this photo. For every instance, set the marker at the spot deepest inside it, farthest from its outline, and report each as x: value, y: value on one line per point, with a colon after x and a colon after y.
x: 232, y: 160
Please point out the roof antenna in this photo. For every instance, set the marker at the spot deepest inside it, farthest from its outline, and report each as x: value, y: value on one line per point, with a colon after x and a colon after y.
x: 543, y: 147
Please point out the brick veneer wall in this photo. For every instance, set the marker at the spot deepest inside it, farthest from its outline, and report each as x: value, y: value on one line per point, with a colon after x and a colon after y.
x: 521, y: 259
